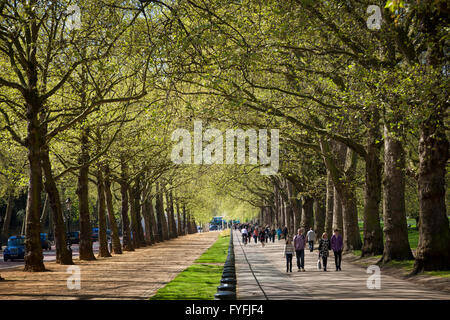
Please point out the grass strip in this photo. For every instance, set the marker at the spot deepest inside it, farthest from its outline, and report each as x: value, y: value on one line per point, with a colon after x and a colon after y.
x: 199, y: 281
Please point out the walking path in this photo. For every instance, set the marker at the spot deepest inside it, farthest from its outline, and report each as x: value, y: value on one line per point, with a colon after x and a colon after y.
x: 261, y: 274
x: 132, y: 275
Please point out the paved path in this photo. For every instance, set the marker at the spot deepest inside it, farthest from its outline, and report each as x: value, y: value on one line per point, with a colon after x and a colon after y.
x: 261, y: 275
x: 132, y: 275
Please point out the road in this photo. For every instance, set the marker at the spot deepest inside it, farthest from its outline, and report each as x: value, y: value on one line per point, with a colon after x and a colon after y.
x: 48, y: 256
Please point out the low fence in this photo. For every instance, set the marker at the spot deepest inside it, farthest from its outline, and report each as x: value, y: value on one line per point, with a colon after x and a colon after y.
x: 227, y: 288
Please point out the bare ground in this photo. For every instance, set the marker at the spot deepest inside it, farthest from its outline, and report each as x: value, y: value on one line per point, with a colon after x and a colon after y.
x: 132, y: 275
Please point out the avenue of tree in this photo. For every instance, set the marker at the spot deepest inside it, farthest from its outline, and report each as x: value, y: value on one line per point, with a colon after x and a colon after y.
x: 87, y: 113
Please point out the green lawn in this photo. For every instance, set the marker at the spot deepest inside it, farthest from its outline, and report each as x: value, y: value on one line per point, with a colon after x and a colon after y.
x: 197, y: 282
x: 217, y: 253
x: 413, y: 234
x: 200, y: 280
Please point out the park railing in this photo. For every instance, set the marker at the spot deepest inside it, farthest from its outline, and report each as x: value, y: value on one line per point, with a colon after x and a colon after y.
x: 227, y: 288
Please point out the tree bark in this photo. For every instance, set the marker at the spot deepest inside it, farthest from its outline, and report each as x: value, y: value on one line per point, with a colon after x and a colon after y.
x: 63, y: 255
x: 126, y: 233
x: 344, y: 186
x: 134, y: 226
x: 33, y: 256
x: 307, y: 213
x: 396, y: 246
x: 8, y: 214
x: 102, y: 237
x: 146, y: 214
x: 159, y: 207
x: 172, y: 213
x: 184, y: 219
x: 153, y: 223
x: 170, y: 216
x: 329, y: 206
x: 373, y: 236
x: 86, y: 252
x: 433, y: 250
x: 352, y: 238
x: 138, y: 207
x: 45, y: 211
x: 178, y: 218
x: 116, y: 246
x: 338, y: 222
x: 319, y: 217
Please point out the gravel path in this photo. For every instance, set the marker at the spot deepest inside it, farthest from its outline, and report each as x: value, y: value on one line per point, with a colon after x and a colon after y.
x: 132, y: 275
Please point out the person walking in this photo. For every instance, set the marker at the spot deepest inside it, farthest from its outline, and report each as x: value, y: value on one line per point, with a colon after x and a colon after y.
x: 279, y: 233
x: 289, y: 253
x: 244, y: 235
x: 262, y: 237
x: 337, y: 244
x: 299, y: 244
x: 285, y: 232
x: 255, y: 235
x: 311, y: 238
x: 267, y: 233
x: 324, y: 247
x: 272, y: 234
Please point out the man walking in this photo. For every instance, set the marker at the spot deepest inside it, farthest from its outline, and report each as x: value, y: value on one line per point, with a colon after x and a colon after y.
x: 311, y: 238
x: 299, y: 245
x: 285, y: 232
x: 244, y: 235
x: 337, y: 244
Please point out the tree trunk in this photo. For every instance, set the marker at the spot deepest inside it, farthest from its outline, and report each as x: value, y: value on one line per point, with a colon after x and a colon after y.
x: 295, y: 205
x: 63, y: 255
x: 86, y: 252
x: 433, y: 250
x: 329, y: 206
x: 343, y: 179
x: 352, y: 237
x: 116, y: 246
x: 145, y: 213
x: 44, y: 214
x: 134, y: 226
x: 153, y: 225
x: 178, y: 219
x: 307, y: 213
x: 373, y: 236
x: 102, y: 237
x: 8, y: 214
x: 169, y: 216
x: 184, y: 220
x: 126, y: 233
x: 172, y: 213
x: 319, y: 217
x: 33, y: 249
x: 162, y: 223
x: 137, y: 207
x: 396, y: 246
x: 338, y: 222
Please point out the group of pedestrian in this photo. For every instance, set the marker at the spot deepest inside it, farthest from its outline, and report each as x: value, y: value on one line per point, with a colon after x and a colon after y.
x: 297, y: 246
x: 258, y: 233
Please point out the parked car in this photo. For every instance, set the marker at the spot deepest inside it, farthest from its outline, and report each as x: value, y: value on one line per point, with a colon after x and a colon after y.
x: 73, y: 237
x: 213, y: 227
x: 15, y: 248
x: 45, y: 243
x: 94, y: 234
